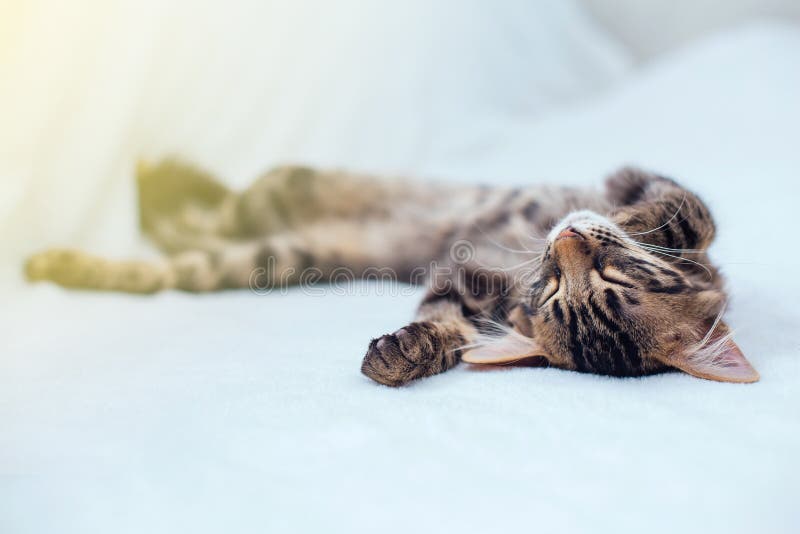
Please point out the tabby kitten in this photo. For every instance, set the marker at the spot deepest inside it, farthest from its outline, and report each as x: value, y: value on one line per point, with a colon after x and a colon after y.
x: 615, y: 283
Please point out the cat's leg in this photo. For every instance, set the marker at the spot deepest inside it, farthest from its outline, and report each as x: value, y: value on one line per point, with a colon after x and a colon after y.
x: 343, y: 250
x: 312, y: 220
x: 181, y: 207
x: 450, y: 318
x: 430, y: 345
x: 184, y: 208
x: 293, y: 196
x: 196, y: 270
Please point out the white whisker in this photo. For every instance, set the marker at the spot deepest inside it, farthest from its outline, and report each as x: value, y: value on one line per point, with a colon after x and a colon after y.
x: 666, y: 223
x: 667, y: 249
x: 717, y: 319
x: 502, y: 246
x: 706, y: 269
x: 506, y: 269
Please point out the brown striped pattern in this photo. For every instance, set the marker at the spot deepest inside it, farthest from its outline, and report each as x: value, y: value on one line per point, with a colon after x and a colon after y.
x: 599, y: 303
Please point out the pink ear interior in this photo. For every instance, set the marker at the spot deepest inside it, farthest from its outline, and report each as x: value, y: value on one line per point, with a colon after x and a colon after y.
x: 721, y: 359
x: 507, y: 349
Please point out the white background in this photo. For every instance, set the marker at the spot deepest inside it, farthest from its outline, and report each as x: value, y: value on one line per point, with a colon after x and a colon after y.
x: 243, y: 413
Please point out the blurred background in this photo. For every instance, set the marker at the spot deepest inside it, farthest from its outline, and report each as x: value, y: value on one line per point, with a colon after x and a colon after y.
x: 87, y: 87
x: 232, y: 412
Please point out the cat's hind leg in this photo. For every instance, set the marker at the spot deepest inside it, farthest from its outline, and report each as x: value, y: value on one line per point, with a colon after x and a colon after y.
x: 318, y: 252
x: 180, y: 205
x: 193, y: 271
x: 78, y: 270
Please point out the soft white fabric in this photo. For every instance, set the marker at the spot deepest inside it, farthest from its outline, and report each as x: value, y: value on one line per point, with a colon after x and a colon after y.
x: 89, y: 86
x: 242, y: 413
x: 652, y: 27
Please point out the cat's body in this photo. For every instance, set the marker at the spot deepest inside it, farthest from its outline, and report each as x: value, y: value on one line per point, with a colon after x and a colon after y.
x: 539, y: 265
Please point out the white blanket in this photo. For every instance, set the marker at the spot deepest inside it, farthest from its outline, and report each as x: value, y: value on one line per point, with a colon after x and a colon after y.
x: 238, y: 412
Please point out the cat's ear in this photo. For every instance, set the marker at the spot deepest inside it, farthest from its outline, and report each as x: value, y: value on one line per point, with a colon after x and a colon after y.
x: 628, y: 185
x: 510, y: 347
x: 718, y: 359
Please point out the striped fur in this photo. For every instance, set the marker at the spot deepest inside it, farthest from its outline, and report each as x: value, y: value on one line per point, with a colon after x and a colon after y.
x: 629, y: 291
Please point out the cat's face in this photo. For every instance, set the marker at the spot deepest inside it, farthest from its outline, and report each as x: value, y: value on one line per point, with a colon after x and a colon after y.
x: 603, y: 304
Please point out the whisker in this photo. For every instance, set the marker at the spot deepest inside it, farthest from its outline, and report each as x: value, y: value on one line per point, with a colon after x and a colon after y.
x: 718, y: 318
x: 502, y: 246
x: 505, y: 269
x: 534, y: 238
x: 667, y: 249
x: 519, y: 240
x: 706, y: 269
x: 666, y: 223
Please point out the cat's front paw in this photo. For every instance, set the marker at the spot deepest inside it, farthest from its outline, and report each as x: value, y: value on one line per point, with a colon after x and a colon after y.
x: 415, y: 351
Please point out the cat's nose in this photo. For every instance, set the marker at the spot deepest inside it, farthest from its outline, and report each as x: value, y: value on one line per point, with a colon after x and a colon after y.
x: 568, y: 232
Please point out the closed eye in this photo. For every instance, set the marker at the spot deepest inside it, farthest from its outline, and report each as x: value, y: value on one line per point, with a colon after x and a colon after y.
x: 613, y: 279
x: 549, y: 291
x: 601, y: 270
